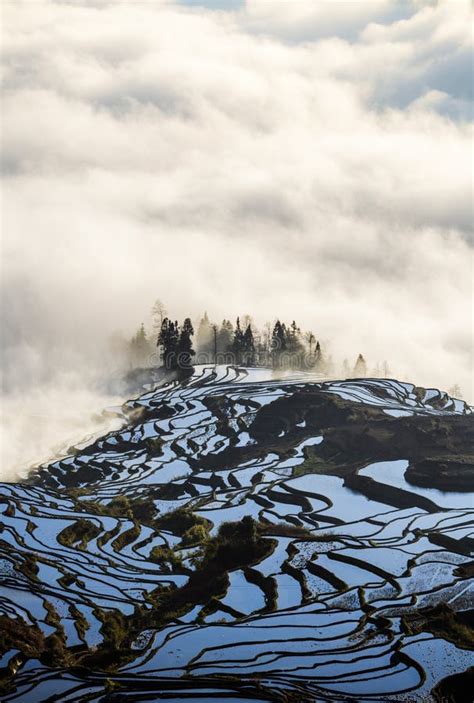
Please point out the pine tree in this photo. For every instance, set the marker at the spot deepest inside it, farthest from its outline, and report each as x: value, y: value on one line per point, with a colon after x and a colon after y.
x: 311, y: 339
x: 168, y: 339
x: 140, y: 350
x: 294, y: 332
x: 224, y: 337
x: 360, y: 368
x: 237, y: 343
x: 278, y: 343
x: 308, y: 358
x: 143, y: 348
x: 205, y: 337
x: 174, y: 340
x: 246, y: 321
x: 319, y: 363
x: 248, y: 347
x: 162, y: 333
x: 294, y: 345
x: 185, y: 345
x: 214, y: 343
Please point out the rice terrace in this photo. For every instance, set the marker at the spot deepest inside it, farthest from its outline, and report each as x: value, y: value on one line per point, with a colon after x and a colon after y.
x: 243, y: 538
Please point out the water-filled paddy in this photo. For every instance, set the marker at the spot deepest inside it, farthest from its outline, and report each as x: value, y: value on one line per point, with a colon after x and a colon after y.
x: 320, y: 609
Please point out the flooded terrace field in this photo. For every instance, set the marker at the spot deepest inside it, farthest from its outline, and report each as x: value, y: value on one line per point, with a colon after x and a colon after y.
x: 247, y: 538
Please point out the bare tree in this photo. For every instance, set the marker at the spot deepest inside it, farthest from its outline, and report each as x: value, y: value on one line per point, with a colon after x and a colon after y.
x: 159, y: 312
x: 455, y: 391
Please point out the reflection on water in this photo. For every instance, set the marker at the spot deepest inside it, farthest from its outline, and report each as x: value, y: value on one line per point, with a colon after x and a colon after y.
x: 392, y: 473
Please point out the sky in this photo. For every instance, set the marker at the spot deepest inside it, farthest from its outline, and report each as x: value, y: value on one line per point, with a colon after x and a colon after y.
x: 307, y: 160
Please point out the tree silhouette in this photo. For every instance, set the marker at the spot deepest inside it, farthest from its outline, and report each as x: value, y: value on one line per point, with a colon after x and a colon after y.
x: 140, y: 348
x: 205, y: 337
x: 360, y: 368
x: 294, y: 345
x: 225, y: 336
x: 319, y: 361
x: 278, y: 343
x: 455, y: 391
x: 311, y: 339
x: 158, y: 313
x: 238, y: 342
x: 168, y: 339
x: 248, y: 347
x: 185, y: 345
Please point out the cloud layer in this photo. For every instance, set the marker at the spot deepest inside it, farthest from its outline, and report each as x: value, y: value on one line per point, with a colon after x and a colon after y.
x: 307, y: 160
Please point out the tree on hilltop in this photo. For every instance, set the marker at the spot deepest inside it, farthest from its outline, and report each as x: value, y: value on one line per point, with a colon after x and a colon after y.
x: 360, y: 368
x: 158, y: 313
x: 248, y: 347
x: 168, y: 339
x: 225, y: 336
x: 238, y: 342
x: 278, y: 343
x: 205, y: 337
x: 140, y: 349
x: 185, y: 345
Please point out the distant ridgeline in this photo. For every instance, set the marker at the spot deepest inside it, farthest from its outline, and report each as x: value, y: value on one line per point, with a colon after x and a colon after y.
x: 277, y: 345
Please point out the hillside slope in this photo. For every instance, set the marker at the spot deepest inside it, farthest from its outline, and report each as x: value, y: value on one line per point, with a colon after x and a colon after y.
x: 345, y: 573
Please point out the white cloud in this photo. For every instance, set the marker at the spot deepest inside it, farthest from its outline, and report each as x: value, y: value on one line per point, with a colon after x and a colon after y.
x: 308, y: 160
x: 307, y: 20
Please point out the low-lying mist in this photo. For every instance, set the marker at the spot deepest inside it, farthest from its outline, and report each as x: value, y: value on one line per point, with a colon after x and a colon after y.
x: 42, y: 422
